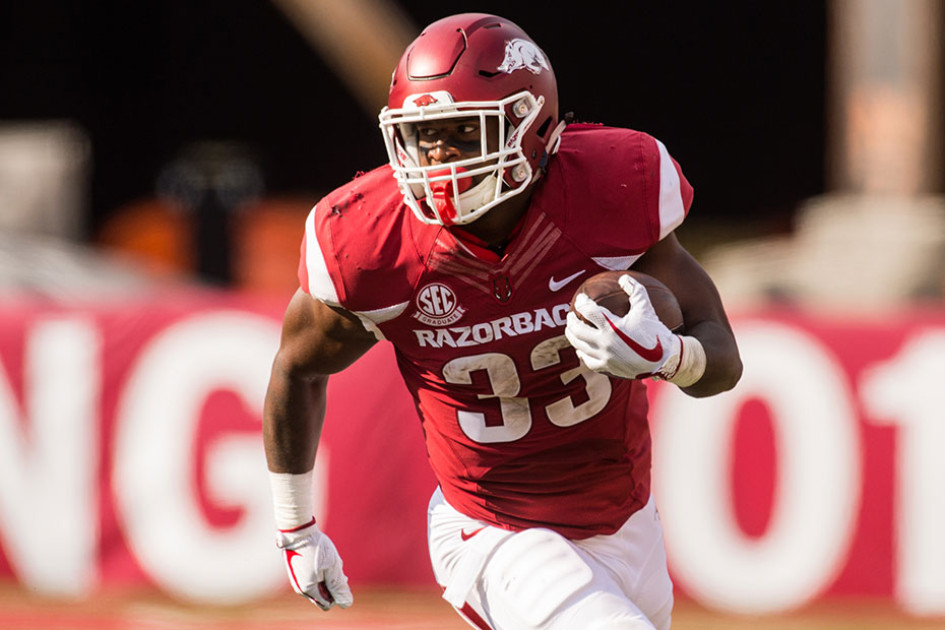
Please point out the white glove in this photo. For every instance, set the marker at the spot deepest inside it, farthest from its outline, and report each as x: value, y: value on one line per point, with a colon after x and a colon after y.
x: 637, y: 345
x: 314, y: 566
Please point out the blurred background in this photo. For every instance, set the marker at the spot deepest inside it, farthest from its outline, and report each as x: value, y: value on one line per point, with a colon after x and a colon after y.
x: 157, y: 161
x: 124, y: 106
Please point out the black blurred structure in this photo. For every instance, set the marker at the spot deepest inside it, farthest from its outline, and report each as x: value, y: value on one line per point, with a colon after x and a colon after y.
x: 211, y: 182
x: 735, y: 90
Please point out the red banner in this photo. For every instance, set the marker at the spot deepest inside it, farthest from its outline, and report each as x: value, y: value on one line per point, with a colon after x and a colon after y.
x: 820, y: 474
x: 130, y: 452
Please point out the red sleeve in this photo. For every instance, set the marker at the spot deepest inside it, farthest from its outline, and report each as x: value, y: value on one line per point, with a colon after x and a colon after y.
x: 363, y: 247
x: 316, y: 259
x: 672, y: 194
x: 615, y: 192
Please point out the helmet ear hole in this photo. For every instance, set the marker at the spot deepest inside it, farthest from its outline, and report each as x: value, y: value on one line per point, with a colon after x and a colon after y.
x: 543, y: 128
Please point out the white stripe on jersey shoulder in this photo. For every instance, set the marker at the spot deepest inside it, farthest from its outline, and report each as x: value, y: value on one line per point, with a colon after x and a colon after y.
x: 320, y: 284
x: 672, y: 212
x: 616, y: 263
x: 371, y: 319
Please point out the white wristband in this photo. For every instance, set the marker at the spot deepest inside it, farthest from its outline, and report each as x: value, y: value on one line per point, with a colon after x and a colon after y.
x: 691, y: 362
x: 292, y: 498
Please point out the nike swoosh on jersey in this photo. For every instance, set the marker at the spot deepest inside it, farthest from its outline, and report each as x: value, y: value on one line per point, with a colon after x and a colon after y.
x: 289, y: 554
x: 653, y: 354
x: 465, y: 536
x: 557, y: 285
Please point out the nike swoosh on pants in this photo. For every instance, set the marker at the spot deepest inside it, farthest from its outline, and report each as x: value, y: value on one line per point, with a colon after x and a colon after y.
x: 465, y: 536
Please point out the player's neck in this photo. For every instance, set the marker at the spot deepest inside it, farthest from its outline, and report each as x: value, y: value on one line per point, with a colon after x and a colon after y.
x: 496, y: 227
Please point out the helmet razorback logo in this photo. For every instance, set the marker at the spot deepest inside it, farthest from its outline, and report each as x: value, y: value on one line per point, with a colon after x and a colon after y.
x: 521, y: 53
x: 426, y: 99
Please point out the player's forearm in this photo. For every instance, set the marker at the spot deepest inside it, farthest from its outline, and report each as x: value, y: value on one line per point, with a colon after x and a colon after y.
x: 723, y: 366
x: 292, y: 420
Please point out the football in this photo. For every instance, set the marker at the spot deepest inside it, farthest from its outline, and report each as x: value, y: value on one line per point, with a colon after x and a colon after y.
x: 604, y: 289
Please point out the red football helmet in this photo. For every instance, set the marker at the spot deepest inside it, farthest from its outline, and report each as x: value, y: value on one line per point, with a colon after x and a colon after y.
x: 464, y: 66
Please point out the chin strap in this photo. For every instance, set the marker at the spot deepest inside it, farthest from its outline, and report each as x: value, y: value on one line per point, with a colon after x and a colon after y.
x: 443, y: 194
x: 470, y: 197
x: 553, y: 144
x: 554, y: 140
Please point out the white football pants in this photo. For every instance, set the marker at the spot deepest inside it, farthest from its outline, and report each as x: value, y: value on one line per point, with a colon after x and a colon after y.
x: 539, y: 580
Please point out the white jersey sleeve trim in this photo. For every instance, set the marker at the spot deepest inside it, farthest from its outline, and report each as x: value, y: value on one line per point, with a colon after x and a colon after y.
x: 616, y: 263
x: 371, y: 319
x: 320, y: 284
x: 672, y: 210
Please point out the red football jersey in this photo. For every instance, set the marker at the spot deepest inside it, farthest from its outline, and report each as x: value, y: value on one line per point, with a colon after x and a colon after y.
x: 518, y: 433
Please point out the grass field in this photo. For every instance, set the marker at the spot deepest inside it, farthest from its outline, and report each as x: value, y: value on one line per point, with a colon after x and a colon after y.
x: 376, y: 609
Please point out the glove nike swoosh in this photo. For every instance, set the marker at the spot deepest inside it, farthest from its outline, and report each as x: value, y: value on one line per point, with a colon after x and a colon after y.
x: 289, y: 554
x: 322, y: 589
x: 653, y: 354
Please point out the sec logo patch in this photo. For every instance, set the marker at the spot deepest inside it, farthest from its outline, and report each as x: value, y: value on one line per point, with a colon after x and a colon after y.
x: 437, y: 305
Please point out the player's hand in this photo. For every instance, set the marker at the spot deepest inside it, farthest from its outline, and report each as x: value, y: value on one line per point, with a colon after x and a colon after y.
x: 637, y: 345
x: 314, y: 566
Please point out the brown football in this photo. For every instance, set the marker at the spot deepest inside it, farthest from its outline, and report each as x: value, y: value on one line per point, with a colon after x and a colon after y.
x: 604, y: 289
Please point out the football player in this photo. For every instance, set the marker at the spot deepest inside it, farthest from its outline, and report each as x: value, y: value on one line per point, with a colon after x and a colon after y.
x: 464, y: 253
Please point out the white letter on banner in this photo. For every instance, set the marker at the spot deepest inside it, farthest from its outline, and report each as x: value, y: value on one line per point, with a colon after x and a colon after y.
x: 156, y: 440
x: 817, y: 490
x: 48, y: 491
x: 906, y: 392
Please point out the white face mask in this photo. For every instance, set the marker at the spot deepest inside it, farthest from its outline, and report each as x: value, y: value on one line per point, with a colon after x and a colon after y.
x: 444, y: 194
